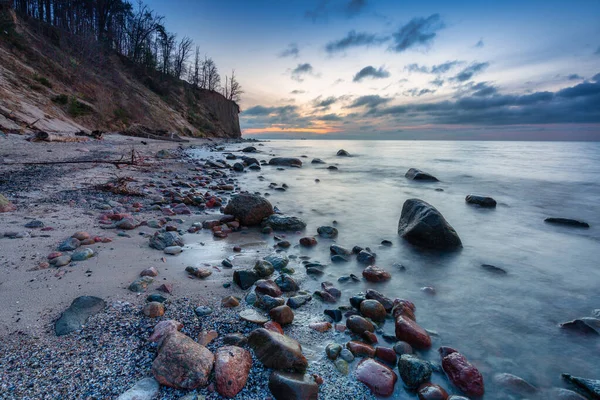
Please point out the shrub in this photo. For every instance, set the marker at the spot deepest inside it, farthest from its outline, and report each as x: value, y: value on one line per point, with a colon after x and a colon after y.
x: 77, y: 108
x: 61, y: 99
x: 43, y: 81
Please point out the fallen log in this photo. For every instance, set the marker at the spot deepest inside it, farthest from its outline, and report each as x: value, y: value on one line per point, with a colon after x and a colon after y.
x: 137, y: 130
x: 50, y: 137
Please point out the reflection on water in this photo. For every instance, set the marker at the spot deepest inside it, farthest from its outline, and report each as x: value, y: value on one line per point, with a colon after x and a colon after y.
x: 503, y: 323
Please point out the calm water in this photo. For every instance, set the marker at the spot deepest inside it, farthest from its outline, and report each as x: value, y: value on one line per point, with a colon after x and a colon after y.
x: 501, y: 323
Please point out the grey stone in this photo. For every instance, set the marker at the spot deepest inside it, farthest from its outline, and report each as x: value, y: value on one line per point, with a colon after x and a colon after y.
x: 74, y: 317
x: 144, y: 389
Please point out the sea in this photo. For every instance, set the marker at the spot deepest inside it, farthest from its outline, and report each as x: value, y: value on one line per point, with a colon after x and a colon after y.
x: 503, y: 323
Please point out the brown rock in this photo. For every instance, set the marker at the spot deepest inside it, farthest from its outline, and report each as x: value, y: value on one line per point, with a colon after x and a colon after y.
x: 166, y: 288
x: 407, y: 328
x: 88, y: 242
x: 182, y: 363
x: 358, y: 324
x: 376, y: 274
x: 277, y: 351
x: 205, y: 337
x: 430, y: 391
x: 273, y: 327
x: 461, y: 372
x: 378, y: 377
x: 373, y: 309
x: 267, y: 286
x: 386, y: 302
x: 149, y: 272
x: 230, y: 302
x: 282, y: 315
x: 249, y: 209
x: 359, y: 349
x: 369, y: 337
x: 308, y: 241
x: 289, y: 386
x: 232, y: 366
x: 320, y: 326
x: 154, y: 309
x: 164, y: 328
x: 81, y: 235
x: 386, y: 355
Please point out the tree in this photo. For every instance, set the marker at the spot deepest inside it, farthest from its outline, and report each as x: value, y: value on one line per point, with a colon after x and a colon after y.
x: 232, y: 89
x: 195, y: 74
x: 182, y: 55
x: 210, y: 75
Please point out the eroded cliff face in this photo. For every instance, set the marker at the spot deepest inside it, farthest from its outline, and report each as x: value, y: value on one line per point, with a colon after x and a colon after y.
x: 48, y: 84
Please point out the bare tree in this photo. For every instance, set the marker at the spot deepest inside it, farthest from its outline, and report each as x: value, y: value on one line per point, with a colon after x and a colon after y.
x: 167, y: 44
x: 183, y: 54
x: 195, y: 74
x: 211, y: 78
x: 232, y: 89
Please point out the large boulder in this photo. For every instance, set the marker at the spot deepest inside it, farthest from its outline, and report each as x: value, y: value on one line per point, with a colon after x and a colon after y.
x: 413, y: 371
x: 181, y: 362
x: 286, y: 162
x: 162, y: 240
x: 567, y: 222
x: 280, y: 222
x: 461, y: 372
x: 423, y: 225
x: 590, y: 387
x: 77, y: 314
x: 378, y: 377
x: 482, y: 201
x: 277, y: 351
x: 291, y: 386
x: 232, y: 366
x: 418, y: 175
x: 250, y: 209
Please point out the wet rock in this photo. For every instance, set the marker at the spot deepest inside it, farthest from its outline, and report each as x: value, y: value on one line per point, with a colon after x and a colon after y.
x: 407, y: 329
x: 386, y: 302
x: 342, y: 153
x: 365, y: 257
x: 277, y: 351
x: 238, y: 167
x: 369, y: 337
x: 154, y: 309
x: 263, y: 268
x: 232, y: 366
x: 249, y: 149
x: 314, y: 271
x: 378, y: 377
x: 69, y: 245
x: 334, y: 314
x: 299, y: 300
x: 267, y: 286
x: 253, y: 316
x: 286, y: 162
x: 267, y: 302
x: 493, y: 269
x: 141, y: 284
x: 339, y: 250
x: 338, y: 259
x: 563, y: 394
x: 567, y: 222
x: 278, y: 261
x: 332, y: 168
x: 375, y: 274
x: 342, y: 366
x: 235, y: 339
x: 589, y: 387
x: 5, y: 205
x: 286, y: 283
x: 332, y: 290
x: 358, y: 324
x: 403, y: 348
x: 308, y: 241
x: 333, y: 350
x: 283, y: 315
x: 418, y: 175
x: 201, y: 273
x: 461, y: 372
x: 162, y: 240
x: 74, y: 317
x: 386, y: 355
x: 482, y: 201
x: 34, y: 224
x: 182, y: 363
x: 413, y: 371
x: 359, y: 349
x: 173, y: 250
x: 355, y: 301
x: 317, y: 161
x: 245, y: 278
x: 430, y: 391
x: 273, y: 326
x: 423, y: 225
x: 328, y: 232
x: 203, y: 311
x: 249, y: 209
x: 347, y: 355
x: 280, y: 222
x: 590, y: 326
x: 61, y: 261
x: 226, y: 263
x: 373, y: 309
x: 156, y: 297
x: 320, y: 326
x: 514, y: 384
x: 230, y: 302
x: 144, y: 389
x: 290, y: 386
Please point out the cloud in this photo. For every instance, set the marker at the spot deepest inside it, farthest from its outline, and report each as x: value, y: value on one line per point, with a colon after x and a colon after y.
x: 297, y: 92
x: 417, y: 68
x: 473, y: 69
x: 479, y: 44
x: 320, y: 11
x: 583, y: 89
x: 369, y: 101
x: 483, y: 89
x: 301, y: 70
x: 262, y: 110
x: 324, y: 104
x: 353, y: 39
x: 355, y: 7
x: 436, y: 69
x: 437, y: 82
x: 417, y: 32
x: 574, y: 77
x: 416, y: 92
x: 597, y: 50
x: 291, y: 51
x: 329, y: 117
x: 372, y: 72
x: 596, y: 78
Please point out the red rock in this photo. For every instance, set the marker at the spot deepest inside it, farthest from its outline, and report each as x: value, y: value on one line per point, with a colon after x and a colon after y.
x: 154, y: 309
x: 230, y: 302
x: 340, y: 328
x: 358, y: 324
x: 277, y: 351
x: 88, y: 242
x: 386, y: 355
x: 43, y: 265
x: 232, y: 366
x: 430, y: 391
x: 267, y: 286
x: 205, y: 337
x: 308, y: 241
x: 149, y: 272
x: 273, y: 327
x: 461, y: 372
x: 106, y: 240
x: 282, y: 315
x: 373, y: 309
x: 164, y: 328
x: 325, y: 296
x: 369, y: 337
x: 409, y: 331
x: 166, y: 288
x: 320, y: 326
x: 237, y: 249
x: 359, y: 349
x: 378, y: 377
x: 318, y: 379
x: 376, y: 274
x: 54, y: 255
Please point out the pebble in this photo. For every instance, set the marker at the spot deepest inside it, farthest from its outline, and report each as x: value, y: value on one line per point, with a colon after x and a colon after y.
x: 254, y: 316
x: 154, y: 309
x: 203, y: 311
x: 144, y: 389
x: 82, y: 255
x: 173, y: 250
x: 347, y: 355
x: 152, y: 271
x: 333, y: 350
x: 342, y: 366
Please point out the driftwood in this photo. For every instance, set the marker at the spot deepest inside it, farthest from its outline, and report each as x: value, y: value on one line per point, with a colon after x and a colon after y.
x: 119, y: 186
x: 135, y: 160
x: 94, y: 134
x: 50, y: 137
x: 137, y: 130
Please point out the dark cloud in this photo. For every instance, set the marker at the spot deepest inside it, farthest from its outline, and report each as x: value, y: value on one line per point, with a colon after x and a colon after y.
x: 417, y: 32
x: 262, y: 110
x: 574, y: 77
x: 437, y: 82
x: 355, y: 7
x: 297, y: 92
x: 417, y: 68
x: 473, y: 69
x: 301, y: 70
x: 371, y: 72
x: 291, y: 51
x: 596, y: 78
x: 483, y: 89
x: 324, y: 104
x: 479, y: 44
x: 353, y: 39
x: 436, y: 69
x: 329, y: 117
x: 320, y: 11
x: 416, y: 92
x: 370, y: 101
x: 583, y: 89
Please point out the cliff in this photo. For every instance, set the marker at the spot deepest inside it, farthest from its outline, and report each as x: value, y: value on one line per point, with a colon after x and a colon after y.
x: 55, y: 82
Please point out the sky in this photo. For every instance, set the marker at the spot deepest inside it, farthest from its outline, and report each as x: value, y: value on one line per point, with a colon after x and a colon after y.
x: 398, y: 69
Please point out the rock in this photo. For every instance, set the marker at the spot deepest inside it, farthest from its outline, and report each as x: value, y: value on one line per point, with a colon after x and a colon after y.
x: 235, y: 339
x: 339, y: 250
x: 74, y: 317
x: 373, y: 309
x: 144, y: 389
x: 355, y: 301
x: 563, y: 394
x: 413, y: 371
x: 141, y: 284
x: 332, y: 290
x: 162, y: 240
x: 424, y: 226
x: 164, y: 328
x: 386, y: 355
x: 334, y: 314
x: 567, y: 222
x: 365, y: 257
x: 283, y: 315
x: 201, y: 273
x: 61, y: 261
x: 127, y: 224
x: 5, y: 205
x: 586, y: 325
x: 342, y: 153
x: 203, y: 311
x: 314, y: 271
x: 245, y: 278
x: 328, y: 232
x: 342, y: 366
x: 149, y: 272
x: 182, y: 363
x: 332, y: 168
x: 359, y: 349
x: 273, y: 326
x: 69, y: 245
x: 402, y: 348
x: 280, y: 222
x: 156, y: 297
x: 267, y: 286
x: 320, y: 326
x: 249, y: 209
x: 308, y: 241
x: 493, y: 269
x: 277, y: 351
x: 278, y: 261
x: 461, y: 372
x: 173, y: 250
x: 286, y: 283
x: 317, y: 161
x: 324, y: 296
x: 263, y: 268
x: 481, y: 201
x: 299, y: 300
x: 253, y: 316
x: 430, y: 391
x: 238, y: 167
x: 333, y: 350
x: 358, y: 324
x: 378, y: 377
x: 386, y: 302
x: 232, y: 366
x: 407, y: 329
x: 267, y: 302
x: 375, y: 274
x: 589, y: 387
x: 347, y: 355
x: 286, y: 162
x: 82, y: 255
x: 249, y: 149
x: 418, y: 175
x: 34, y: 224
x: 514, y: 384
x: 290, y: 386
x: 166, y: 288
x: 230, y: 302
x: 154, y: 309
x: 369, y: 337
